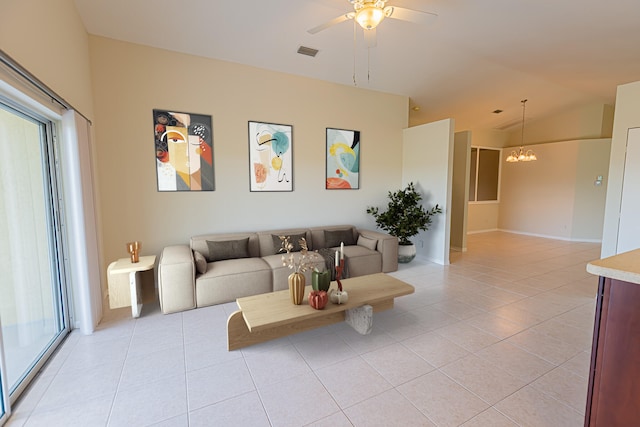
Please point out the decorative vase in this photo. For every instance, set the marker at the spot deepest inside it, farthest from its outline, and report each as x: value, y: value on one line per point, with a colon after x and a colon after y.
x: 134, y: 250
x: 296, y: 287
x: 318, y: 299
x: 320, y: 280
x: 406, y: 253
x: 338, y: 297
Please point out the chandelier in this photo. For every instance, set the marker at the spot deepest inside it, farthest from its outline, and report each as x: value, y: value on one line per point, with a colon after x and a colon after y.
x: 522, y: 155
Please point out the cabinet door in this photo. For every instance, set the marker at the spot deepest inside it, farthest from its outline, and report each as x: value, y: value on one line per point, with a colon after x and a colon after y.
x: 616, y: 389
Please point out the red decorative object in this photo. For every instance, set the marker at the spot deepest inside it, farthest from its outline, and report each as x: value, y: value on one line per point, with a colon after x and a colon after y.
x: 339, y: 269
x: 318, y: 299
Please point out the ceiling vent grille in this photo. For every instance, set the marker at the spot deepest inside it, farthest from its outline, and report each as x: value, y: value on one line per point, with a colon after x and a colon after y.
x: 308, y: 51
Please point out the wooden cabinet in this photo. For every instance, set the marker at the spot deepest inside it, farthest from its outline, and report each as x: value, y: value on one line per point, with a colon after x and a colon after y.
x: 614, y: 379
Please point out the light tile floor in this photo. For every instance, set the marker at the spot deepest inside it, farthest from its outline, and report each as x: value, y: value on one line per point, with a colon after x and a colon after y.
x: 501, y: 337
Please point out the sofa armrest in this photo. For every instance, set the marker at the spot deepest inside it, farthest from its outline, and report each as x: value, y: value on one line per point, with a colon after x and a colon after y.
x: 387, y: 246
x: 176, y: 279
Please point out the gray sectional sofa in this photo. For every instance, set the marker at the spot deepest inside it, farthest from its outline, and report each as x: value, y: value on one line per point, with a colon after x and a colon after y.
x: 218, y: 268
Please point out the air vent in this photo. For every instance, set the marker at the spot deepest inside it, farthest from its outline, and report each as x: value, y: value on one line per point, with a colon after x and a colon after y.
x: 497, y: 111
x: 303, y: 50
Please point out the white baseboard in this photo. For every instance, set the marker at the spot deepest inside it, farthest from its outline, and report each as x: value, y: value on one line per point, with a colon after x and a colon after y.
x: 546, y: 236
x: 482, y: 231
x: 457, y: 249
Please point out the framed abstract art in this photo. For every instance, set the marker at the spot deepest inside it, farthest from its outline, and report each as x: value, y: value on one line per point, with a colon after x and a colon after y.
x: 343, y: 159
x: 270, y: 157
x: 184, y: 151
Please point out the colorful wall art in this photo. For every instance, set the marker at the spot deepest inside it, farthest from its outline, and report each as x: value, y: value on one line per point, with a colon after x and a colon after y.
x: 270, y: 159
x: 343, y: 159
x: 184, y: 151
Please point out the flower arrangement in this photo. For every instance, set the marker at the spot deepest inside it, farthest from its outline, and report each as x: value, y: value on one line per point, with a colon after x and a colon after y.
x: 298, y: 264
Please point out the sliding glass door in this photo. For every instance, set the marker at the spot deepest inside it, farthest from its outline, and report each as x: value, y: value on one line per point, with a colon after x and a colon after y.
x: 3, y: 393
x: 32, y: 313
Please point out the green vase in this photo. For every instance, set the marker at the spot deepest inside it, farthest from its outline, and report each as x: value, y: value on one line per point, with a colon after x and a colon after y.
x: 320, y: 280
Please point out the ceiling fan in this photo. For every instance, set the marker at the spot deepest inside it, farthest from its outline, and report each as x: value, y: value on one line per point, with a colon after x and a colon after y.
x: 369, y: 13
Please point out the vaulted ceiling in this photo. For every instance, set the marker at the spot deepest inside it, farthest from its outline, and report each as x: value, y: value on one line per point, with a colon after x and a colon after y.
x: 474, y: 58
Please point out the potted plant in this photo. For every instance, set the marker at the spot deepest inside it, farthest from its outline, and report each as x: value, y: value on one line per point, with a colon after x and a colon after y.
x: 404, y: 218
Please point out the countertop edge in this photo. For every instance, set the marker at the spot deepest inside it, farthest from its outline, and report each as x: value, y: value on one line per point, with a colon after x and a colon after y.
x: 625, y: 267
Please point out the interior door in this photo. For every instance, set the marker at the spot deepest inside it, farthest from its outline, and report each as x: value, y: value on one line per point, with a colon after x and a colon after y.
x: 629, y: 225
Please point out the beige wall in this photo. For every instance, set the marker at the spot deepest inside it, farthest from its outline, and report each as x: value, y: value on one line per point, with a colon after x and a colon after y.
x: 555, y: 196
x: 587, y: 121
x: 578, y: 212
x: 131, y: 80
x: 460, y: 190
x: 626, y: 117
x: 491, y: 138
x: 483, y: 216
x: 48, y: 39
x: 589, y: 202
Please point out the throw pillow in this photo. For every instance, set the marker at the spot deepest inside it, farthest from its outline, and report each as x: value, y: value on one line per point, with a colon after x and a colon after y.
x: 294, y: 239
x: 367, y: 243
x: 201, y: 262
x: 228, y: 249
x: 333, y: 238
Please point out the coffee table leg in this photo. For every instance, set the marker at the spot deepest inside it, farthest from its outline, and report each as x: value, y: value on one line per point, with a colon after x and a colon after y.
x: 237, y: 332
x: 136, y: 297
x: 360, y: 319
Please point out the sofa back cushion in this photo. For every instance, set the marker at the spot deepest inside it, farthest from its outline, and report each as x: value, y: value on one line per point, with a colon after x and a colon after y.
x: 270, y: 242
x: 294, y: 241
x: 200, y: 244
x: 331, y: 236
x: 228, y: 249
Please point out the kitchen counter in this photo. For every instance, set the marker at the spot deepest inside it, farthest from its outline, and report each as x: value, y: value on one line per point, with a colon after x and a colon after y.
x: 614, y: 392
x: 625, y: 267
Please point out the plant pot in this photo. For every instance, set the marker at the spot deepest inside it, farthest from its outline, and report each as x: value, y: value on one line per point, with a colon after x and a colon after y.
x: 318, y: 299
x: 320, y: 280
x: 406, y: 253
x: 296, y: 287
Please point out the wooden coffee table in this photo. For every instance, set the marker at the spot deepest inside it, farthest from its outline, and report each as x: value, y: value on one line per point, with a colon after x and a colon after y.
x: 272, y: 315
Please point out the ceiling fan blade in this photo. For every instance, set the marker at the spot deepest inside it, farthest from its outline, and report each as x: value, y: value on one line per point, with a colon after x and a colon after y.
x: 370, y: 38
x: 331, y: 23
x: 410, y: 15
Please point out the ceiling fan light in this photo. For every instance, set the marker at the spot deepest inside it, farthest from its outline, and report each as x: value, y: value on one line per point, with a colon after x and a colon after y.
x: 369, y: 16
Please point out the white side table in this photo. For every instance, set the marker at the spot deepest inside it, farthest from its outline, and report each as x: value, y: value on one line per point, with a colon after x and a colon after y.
x: 124, y: 265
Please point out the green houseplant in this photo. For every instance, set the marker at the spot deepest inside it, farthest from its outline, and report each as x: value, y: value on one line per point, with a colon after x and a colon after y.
x: 404, y: 218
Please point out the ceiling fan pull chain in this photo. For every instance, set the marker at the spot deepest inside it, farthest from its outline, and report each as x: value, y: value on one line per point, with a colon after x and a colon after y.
x: 354, y: 54
x: 368, y: 65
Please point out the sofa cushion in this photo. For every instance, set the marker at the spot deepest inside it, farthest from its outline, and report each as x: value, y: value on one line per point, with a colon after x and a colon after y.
x: 362, y: 261
x: 333, y: 238
x: 201, y: 262
x: 231, y: 279
x: 294, y: 239
x: 228, y: 249
x: 367, y: 243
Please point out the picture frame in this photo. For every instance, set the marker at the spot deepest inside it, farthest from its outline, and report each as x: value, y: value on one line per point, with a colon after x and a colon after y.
x: 183, y: 151
x: 342, y: 159
x: 270, y: 157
